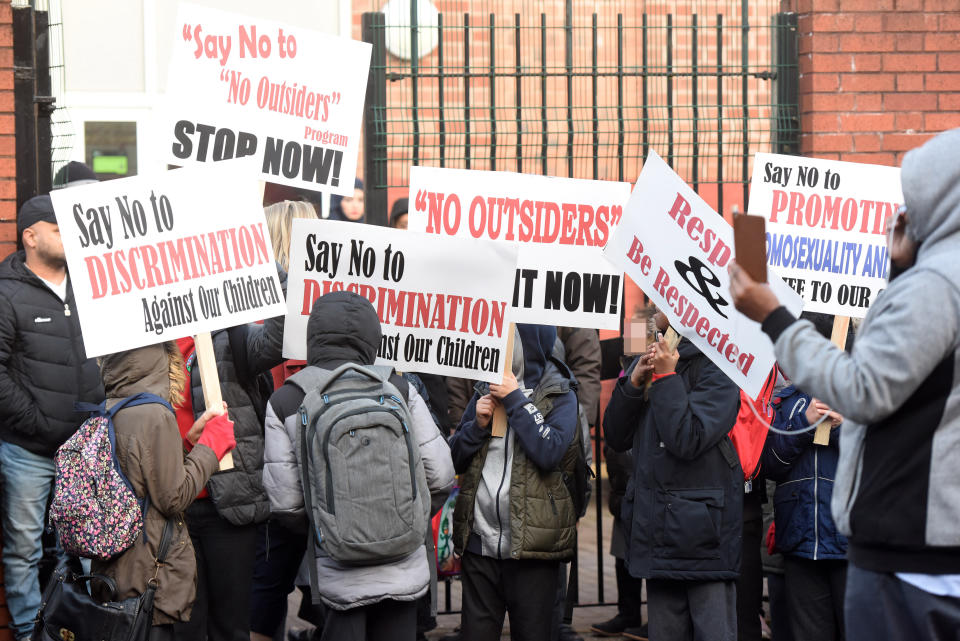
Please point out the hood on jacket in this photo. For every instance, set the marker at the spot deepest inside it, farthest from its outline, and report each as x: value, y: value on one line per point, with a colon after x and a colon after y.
x: 343, y: 328
x: 144, y: 369
x: 536, y: 342
x: 14, y: 267
x: 336, y: 211
x: 930, y: 178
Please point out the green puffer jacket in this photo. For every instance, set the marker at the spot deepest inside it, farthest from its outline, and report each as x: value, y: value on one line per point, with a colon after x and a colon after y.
x: 543, y: 519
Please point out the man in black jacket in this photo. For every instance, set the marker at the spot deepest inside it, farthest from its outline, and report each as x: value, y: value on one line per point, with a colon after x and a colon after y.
x: 43, y: 372
x: 683, y: 504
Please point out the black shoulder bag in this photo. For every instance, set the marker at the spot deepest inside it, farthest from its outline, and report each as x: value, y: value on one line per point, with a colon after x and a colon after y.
x: 69, y: 612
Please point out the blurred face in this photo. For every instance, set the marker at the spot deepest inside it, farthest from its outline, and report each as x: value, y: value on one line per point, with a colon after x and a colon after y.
x: 902, y: 248
x: 660, y: 320
x: 400, y: 222
x: 353, y: 206
x: 42, y: 243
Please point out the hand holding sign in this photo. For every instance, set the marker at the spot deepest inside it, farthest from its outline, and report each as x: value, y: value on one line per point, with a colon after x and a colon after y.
x: 752, y: 299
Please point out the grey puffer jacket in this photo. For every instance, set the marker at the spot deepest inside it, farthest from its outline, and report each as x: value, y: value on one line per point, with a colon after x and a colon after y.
x: 345, y: 328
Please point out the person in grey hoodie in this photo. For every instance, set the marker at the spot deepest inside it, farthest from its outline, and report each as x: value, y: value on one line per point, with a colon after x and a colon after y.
x: 897, y: 490
x: 368, y: 602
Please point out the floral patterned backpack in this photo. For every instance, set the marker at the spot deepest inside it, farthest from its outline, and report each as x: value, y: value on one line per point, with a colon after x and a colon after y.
x: 94, y: 509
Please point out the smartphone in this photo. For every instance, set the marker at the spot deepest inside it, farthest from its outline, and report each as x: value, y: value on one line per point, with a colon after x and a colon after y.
x: 750, y: 245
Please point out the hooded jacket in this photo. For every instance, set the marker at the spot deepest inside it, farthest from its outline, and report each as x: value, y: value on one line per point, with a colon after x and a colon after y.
x: 513, y: 500
x: 804, y: 473
x: 344, y: 328
x: 897, y: 491
x: 150, y: 452
x: 43, y: 367
x: 683, y: 504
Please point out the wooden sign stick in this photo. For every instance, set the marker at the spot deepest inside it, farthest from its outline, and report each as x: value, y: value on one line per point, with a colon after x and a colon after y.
x: 499, y: 428
x: 210, y: 380
x: 839, y: 338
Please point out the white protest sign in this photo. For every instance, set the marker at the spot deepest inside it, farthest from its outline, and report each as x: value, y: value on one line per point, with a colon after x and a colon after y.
x: 289, y: 96
x: 826, y: 227
x: 677, y: 248
x: 159, y: 257
x: 443, y: 302
x: 561, y: 225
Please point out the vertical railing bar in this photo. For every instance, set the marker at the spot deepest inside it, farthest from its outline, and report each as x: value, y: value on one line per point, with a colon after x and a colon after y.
x: 568, y: 46
x: 621, y: 172
x: 493, y: 95
x: 645, y: 112
x: 720, y: 158
x: 543, y: 93
x: 745, y: 62
x: 518, y: 93
x: 595, y: 114
x: 414, y: 69
x: 466, y: 89
x: 442, y: 124
x: 670, y: 158
x: 696, y: 111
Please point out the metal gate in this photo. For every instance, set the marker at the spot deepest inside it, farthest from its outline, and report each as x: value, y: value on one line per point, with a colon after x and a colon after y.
x: 578, y: 88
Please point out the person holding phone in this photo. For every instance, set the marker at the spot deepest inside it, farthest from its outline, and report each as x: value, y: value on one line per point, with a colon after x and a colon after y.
x: 897, y: 490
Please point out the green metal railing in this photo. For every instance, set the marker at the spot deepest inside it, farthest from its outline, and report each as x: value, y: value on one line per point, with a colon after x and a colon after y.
x: 579, y: 89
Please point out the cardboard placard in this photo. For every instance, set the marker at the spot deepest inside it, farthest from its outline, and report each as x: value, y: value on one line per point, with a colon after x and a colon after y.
x: 159, y: 257
x: 443, y: 303
x: 677, y: 248
x: 826, y: 227
x: 289, y: 96
x: 560, y: 224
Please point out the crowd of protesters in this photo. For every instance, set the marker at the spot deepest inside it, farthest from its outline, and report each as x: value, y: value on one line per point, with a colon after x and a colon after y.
x: 863, y: 541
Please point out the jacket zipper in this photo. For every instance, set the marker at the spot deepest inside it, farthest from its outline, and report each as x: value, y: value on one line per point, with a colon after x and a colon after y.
x: 503, y: 479
x: 816, y: 504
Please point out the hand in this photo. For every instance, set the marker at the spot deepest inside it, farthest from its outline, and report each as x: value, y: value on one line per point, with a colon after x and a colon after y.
x: 817, y: 409
x: 642, y: 371
x: 752, y: 299
x: 193, y: 435
x: 485, y: 407
x: 664, y: 359
x: 509, y: 384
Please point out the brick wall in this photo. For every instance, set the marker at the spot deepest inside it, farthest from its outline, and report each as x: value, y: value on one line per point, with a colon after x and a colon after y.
x: 878, y: 77
x: 8, y: 169
x: 8, y: 194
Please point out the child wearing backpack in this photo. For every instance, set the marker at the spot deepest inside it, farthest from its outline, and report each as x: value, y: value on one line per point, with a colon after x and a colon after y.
x: 512, y: 549
x: 354, y: 461
x: 150, y: 453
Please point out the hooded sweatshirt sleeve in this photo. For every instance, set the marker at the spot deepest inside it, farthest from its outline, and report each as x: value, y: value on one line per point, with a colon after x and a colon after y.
x: 892, y: 355
x: 437, y: 464
x: 544, y: 439
x: 469, y: 437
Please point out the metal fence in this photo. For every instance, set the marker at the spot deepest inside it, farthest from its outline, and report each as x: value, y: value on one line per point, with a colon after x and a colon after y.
x: 580, y: 89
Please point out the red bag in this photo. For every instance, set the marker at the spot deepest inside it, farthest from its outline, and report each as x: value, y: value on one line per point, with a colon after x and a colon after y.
x: 749, y: 433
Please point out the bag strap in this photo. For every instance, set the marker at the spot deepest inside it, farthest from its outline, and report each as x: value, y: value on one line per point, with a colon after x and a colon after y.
x: 312, y: 534
x: 143, y: 398
x: 165, y: 541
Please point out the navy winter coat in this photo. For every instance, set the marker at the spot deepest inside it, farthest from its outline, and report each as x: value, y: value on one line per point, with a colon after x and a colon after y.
x: 683, y: 505
x: 804, y: 473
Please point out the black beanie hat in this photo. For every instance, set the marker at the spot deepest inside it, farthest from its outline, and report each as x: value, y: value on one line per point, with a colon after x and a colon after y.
x: 35, y: 210
x: 400, y: 207
x: 74, y: 173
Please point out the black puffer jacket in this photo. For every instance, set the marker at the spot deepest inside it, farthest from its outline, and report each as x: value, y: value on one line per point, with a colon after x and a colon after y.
x: 43, y: 367
x: 684, y: 503
x: 238, y: 493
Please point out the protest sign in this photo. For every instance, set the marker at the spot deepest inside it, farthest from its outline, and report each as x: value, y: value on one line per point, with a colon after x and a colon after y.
x: 826, y: 227
x: 289, y: 96
x: 155, y: 258
x: 561, y: 225
x: 677, y: 248
x: 442, y: 302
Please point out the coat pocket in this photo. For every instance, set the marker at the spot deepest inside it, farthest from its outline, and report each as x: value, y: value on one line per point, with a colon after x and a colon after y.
x: 691, y: 520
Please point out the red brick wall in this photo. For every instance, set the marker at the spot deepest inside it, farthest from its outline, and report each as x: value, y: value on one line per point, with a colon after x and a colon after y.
x: 8, y: 169
x: 8, y: 194
x: 878, y: 77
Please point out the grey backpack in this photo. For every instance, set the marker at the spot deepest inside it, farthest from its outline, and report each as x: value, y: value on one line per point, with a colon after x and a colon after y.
x: 364, y: 487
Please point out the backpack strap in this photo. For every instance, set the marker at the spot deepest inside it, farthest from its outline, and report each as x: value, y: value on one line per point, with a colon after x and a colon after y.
x: 143, y: 398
